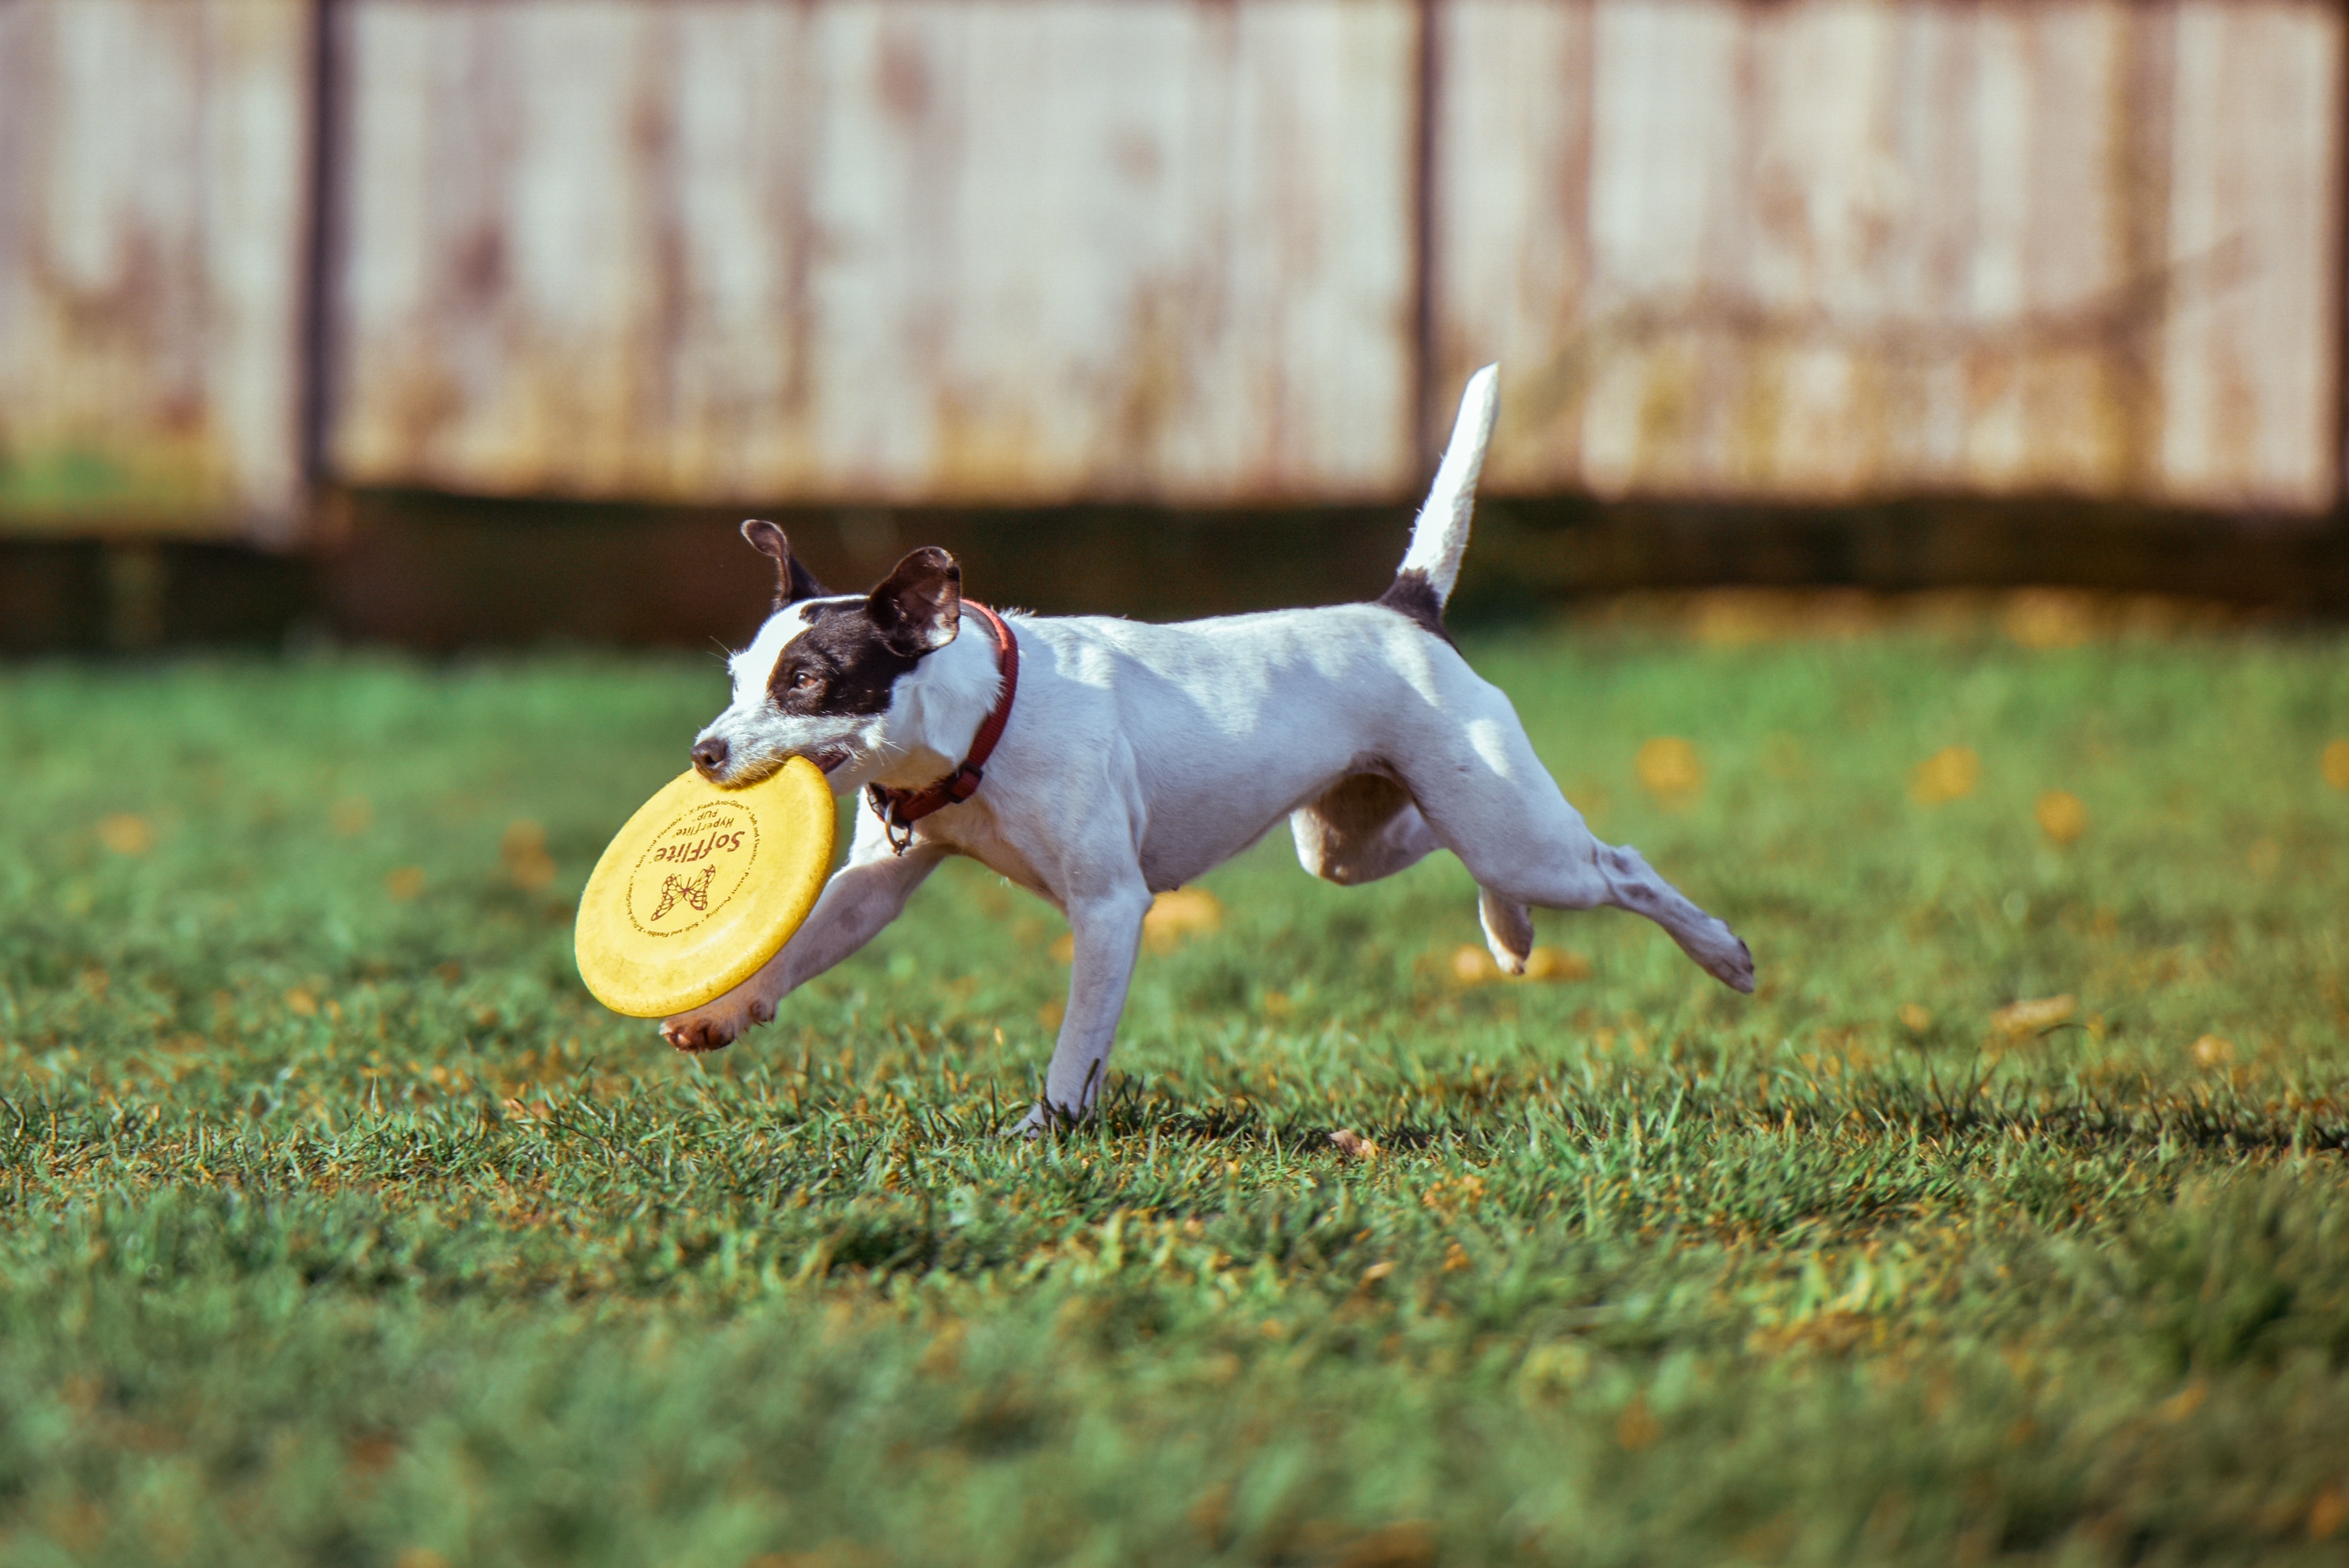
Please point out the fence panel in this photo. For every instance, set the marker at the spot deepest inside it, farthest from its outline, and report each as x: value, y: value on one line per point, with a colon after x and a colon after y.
x: 1836, y: 248
x: 1030, y: 251
x: 153, y: 211
x: 933, y: 250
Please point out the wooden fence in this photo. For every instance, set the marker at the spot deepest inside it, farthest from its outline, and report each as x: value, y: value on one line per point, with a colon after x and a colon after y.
x: 937, y: 249
x: 1033, y: 251
x: 154, y: 213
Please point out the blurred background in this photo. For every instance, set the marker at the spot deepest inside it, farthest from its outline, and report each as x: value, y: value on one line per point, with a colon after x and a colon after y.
x: 446, y: 324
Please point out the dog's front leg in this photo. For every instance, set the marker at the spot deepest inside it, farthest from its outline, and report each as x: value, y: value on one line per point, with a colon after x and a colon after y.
x: 1108, y: 931
x: 862, y: 896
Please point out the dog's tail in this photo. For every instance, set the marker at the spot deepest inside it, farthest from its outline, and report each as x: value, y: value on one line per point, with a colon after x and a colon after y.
x: 1440, y: 537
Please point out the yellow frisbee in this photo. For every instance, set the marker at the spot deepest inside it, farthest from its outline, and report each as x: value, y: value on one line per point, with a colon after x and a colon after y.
x: 702, y: 887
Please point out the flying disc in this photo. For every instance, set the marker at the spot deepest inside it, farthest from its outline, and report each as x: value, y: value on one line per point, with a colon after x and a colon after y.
x: 701, y: 886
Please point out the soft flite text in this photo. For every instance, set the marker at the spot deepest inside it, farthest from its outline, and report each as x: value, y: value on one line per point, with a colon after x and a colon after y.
x: 706, y: 845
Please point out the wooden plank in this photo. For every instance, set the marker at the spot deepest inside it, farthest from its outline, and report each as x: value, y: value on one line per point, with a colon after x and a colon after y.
x: 153, y: 169
x: 963, y: 251
x: 1834, y: 249
x: 2248, y: 359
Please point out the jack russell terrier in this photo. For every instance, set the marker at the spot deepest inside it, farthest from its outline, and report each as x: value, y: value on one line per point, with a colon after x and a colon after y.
x: 1097, y: 762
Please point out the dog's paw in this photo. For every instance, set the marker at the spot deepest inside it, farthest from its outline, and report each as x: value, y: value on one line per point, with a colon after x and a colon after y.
x: 696, y: 1033
x: 1732, y: 964
x: 1044, y: 1117
x: 716, y: 1027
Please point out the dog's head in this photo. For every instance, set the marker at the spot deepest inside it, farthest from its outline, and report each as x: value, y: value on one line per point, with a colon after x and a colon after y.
x: 822, y: 676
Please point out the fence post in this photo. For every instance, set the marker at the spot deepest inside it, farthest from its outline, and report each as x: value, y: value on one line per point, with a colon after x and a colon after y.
x: 1425, y: 366
x: 2340, y: 198
x: 320, y: 248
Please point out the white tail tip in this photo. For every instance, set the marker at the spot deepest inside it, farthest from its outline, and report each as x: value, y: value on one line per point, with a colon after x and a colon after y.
x: 1440, y: 537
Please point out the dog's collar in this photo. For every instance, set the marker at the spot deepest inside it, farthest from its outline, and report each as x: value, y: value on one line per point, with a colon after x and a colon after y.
x: 899, y: 809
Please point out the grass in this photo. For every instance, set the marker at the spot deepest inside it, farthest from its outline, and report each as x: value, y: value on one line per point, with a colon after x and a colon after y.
x: 342, y: 1227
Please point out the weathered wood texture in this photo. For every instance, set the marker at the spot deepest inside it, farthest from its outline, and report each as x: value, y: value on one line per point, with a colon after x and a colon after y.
x: 1024, y: 252
x: 1836, y: 248
x: 152, y: 222
x: 936, y: 250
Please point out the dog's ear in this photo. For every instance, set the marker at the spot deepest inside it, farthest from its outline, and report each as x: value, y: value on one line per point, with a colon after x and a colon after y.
x: 793, y: 582
x: 920, y: 606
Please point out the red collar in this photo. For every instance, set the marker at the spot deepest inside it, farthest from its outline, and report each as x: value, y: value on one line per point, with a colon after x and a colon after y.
x: 899, y: 809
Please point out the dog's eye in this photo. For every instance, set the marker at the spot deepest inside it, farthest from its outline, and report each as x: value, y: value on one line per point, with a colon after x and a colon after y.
x: 806, y: 680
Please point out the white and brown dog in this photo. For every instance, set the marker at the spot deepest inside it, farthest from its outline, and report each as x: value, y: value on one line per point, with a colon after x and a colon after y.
x: 1135, y: 758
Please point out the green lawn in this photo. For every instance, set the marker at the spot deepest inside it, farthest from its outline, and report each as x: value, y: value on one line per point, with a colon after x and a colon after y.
x: 342, y: 1227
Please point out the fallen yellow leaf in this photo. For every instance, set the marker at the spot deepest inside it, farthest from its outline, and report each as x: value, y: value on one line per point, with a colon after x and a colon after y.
x: 1556, y: 964
x: 1669, y: 768
x: 2019, y: 1019
x: 1354, y: 1146
x: 523, y: 850
x: 1637, y: 1427
x: 2212, y: 1051
x: 1916, y: 1017
x: 2183, y: 1403
x: 1185, y: 911
x: 1472, y: 965
x: 2061, y: 815
x: 1064, y: 947
x: 127, y: 832
x: 1950, y: 773
x: 405, y: 882
x: 304, y: 1004
x: 2335, y: 763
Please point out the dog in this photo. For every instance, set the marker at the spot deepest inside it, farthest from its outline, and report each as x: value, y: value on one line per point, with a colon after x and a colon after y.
x: 1134, y: 758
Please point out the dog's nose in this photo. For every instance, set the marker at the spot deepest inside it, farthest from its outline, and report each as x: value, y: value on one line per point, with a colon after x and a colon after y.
x: 709, y: 755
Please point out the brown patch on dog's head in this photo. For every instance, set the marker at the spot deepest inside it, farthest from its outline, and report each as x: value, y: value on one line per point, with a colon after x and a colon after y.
x: 793, y: 582
x: 848, y: 660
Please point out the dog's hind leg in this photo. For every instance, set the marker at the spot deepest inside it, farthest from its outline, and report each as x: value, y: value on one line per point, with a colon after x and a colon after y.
x: 1492, y: 803
x: 1632, y: 884
x: 1366, y: 826
x: 1551, y: 870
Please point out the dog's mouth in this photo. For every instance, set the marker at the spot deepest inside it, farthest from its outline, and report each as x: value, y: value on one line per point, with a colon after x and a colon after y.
x: 828, y: 758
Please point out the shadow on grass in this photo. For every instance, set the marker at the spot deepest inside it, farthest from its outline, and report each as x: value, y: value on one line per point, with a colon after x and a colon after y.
x: 1975, y: 1104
